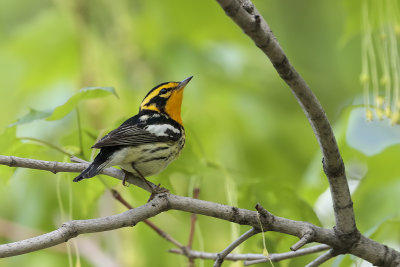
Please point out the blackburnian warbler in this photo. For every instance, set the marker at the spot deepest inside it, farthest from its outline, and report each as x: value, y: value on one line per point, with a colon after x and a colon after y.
x: 145, y: 144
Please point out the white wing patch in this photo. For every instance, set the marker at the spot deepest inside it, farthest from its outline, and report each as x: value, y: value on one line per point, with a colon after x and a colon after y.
x: 144, y: 117
x: 161, y: 129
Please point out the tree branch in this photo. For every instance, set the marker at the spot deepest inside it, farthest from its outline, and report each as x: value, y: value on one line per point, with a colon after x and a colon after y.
x: 221, y: 256
x: 74, y: 228
x: 366, y: 248
x: 150, y: 224
x: 193, y: 219
x: 247, y: 17
x: 55, y: 167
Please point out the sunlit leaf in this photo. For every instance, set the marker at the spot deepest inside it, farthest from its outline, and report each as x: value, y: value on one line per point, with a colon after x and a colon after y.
x: 61, y: 111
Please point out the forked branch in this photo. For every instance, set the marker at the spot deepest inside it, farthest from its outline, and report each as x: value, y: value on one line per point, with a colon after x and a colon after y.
x: 344, y: 238
x: 367, y: 249
x: 247, y: 17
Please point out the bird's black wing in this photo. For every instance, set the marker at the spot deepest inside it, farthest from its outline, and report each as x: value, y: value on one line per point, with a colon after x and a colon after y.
x: 129, y: 135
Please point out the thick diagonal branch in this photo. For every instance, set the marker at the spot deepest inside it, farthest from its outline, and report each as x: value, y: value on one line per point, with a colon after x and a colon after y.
x: 245, y: 14
x: 74, y: 228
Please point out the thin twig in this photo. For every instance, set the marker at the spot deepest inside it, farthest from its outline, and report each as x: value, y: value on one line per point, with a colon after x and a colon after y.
x: 157, y: 229
x: 250, y: 257
x: 221, y: 256
x: 305, y: 239
x: 80, y: 138
x: 323, y: 258
x: 193, y: 219
x: 48, y: 144
x: 118, y: 197
x: 306, y: 235
x: 288, y: 255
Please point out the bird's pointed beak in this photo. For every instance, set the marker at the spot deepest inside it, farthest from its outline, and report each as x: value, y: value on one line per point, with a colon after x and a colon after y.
x: 183, y: 83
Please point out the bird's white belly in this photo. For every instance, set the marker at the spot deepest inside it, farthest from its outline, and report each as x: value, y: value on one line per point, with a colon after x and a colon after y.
x: 148, y: 159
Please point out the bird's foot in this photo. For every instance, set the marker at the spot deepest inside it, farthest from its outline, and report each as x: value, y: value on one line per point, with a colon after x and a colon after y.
x: 157, y: 190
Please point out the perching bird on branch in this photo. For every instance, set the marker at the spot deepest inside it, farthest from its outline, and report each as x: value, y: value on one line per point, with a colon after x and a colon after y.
x: 145, y: 144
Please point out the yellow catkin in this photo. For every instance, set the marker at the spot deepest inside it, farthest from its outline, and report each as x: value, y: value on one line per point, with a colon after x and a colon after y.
x: 380, y: 100
x: 395, y: 118
x: 379, y: 113
x: 369, y: 115
x: 388, y: 112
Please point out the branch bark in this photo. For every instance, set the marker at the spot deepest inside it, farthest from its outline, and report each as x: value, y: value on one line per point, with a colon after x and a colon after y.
x: 366, y: 248
x: 54, y: 167
x: 247, y: 17
x: 74, y: 228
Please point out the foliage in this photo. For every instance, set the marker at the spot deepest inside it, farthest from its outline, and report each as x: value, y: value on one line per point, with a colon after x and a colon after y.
x: 247, y: 139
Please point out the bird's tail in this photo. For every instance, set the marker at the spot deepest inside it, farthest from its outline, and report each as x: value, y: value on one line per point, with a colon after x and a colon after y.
x: 100, y: 162
x: 89, y: 172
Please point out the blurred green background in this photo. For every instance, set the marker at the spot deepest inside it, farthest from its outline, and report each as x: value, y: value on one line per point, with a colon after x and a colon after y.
x: 248, y: 140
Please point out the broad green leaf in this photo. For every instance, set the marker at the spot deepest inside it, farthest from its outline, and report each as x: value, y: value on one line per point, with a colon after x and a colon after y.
x: 32, y: 115
x: 85, y: 93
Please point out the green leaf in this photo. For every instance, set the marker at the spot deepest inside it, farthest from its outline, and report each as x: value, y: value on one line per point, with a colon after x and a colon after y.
x: 32, y: 115
x: 61, y: 111
x: 85, y: 93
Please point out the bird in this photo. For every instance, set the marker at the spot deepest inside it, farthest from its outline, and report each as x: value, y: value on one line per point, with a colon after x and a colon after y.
x: 148, y: 142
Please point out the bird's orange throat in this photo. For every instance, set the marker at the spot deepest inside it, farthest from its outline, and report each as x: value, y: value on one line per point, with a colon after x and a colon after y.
x: 173, y: 106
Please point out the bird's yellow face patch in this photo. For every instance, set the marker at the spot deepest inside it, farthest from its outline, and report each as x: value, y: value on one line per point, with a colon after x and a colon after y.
x: 173, y: 106
x: 166, y: 98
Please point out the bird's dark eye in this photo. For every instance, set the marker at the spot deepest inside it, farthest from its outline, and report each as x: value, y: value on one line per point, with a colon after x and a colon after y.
x: 163, y: 91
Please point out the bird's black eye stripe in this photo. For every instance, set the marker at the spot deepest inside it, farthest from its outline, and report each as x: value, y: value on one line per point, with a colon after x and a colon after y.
x: 163, y: 91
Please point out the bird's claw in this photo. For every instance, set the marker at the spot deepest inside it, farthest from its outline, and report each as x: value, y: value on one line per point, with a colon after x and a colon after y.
x: 157, y: 190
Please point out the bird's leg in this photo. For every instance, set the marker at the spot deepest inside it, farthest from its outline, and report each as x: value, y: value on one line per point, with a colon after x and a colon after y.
x: 144, y: 179
x: 154, y: 191
x: 126, y: 174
